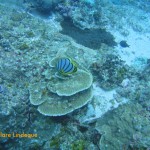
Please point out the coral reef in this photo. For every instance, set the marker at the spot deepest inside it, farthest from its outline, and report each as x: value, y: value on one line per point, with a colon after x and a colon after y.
x: 110, y: 71
x: 18, y: 116
x: 28, y: 45
x: 16, y: 71
x: 75, y: 10
x: 124, y: 127
x: 106, y: 14
x: 137, y: 87
x: 74, y: 136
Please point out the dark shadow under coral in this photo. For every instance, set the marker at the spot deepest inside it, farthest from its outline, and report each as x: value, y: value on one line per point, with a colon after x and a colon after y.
x: 89, y: 38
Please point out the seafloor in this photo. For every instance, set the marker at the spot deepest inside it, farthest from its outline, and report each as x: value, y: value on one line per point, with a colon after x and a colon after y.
x: 105, y: 105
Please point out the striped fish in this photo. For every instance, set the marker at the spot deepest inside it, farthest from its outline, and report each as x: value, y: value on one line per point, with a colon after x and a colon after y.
x: 66, y: 66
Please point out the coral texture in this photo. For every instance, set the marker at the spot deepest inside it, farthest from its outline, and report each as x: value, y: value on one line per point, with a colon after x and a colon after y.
x: 110, y: 71
x: 57, y: 106
x: 126, y: 124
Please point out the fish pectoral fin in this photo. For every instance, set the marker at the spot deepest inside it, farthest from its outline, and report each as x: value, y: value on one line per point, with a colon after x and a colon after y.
x: 75, y: 69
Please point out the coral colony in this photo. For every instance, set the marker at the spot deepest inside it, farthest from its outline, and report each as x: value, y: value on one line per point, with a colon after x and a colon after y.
x: 58, y: 97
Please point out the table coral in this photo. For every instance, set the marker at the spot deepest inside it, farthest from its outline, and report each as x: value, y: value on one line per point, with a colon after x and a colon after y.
x: 57, y: 96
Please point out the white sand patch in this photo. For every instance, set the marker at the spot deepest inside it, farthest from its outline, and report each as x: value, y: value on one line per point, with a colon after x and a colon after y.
x: 139, y: 47
x: 131, y: 24
x: 135, y: 23
x: 102, y: 102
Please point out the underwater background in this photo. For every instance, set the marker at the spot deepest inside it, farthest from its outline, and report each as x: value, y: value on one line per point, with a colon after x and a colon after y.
x: 74, y: 75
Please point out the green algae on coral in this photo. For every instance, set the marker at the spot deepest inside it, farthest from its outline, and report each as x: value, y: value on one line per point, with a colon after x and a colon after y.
x: 78, y: 145
x: 55, y: 142
x: 23, y: 46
